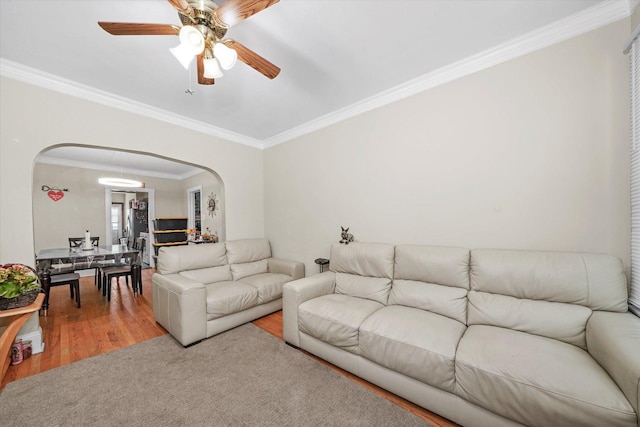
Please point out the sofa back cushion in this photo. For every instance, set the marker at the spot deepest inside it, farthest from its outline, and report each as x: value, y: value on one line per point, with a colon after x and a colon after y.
x: 247, y: 250
x: 249, y: 269
x: 596, y: 281
x: 363, y: 270
x: 175, y: 259
x: 363, y: 259
x: 563, y: 322
x: 372, y: 288
x: 444, y: 300
x: 432, y: 278
x: 207, y: 275
x: 544, y: 293
x: 442, y: 265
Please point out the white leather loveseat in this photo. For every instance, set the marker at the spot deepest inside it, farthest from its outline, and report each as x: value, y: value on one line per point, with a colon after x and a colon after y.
x: 202, y: 290
x: 481, y: 337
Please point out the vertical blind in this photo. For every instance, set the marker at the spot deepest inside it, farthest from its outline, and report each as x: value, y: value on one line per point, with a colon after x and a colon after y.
x: 634, y: 298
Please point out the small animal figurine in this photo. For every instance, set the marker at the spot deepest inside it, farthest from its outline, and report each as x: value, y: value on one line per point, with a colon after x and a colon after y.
x: 346, y: 236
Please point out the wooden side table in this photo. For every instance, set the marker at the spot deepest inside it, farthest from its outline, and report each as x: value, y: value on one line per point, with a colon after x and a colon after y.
x: 17, y: 318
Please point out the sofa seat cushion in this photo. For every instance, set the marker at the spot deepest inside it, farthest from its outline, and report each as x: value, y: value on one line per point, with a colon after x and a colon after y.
x: 228, y: 297
x: 269, y: 285
x: 336, y: 318
x: 536, y: 380
x: 414, y: 342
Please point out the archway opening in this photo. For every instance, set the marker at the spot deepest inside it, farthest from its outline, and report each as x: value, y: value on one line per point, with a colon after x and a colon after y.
x: 68, y: 200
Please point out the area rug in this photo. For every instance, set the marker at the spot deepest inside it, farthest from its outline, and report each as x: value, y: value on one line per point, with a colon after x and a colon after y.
x: 243, y: 377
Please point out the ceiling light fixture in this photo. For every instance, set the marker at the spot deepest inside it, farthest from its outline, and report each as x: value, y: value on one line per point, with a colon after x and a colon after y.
x: 204, y: 26
x: 226, y: 56
x: 121, y: 182
x: 212, y: 68
x: 191, y: 44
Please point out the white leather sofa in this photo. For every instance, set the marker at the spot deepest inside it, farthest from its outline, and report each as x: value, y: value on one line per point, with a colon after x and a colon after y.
x: 482, y: 337
x: 202, y: 290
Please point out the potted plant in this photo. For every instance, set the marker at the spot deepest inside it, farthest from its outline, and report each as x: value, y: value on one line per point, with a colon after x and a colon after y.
x: 19, y: 286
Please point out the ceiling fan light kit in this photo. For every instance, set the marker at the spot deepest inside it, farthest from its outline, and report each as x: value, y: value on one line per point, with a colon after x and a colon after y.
x: 226, y: 56
x: 212, y: 68
x: 204, y: 26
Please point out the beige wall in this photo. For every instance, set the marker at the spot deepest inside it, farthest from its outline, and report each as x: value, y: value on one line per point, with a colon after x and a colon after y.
x: 635, y: 18
x: 33, y: 119
x: 83, y: 206
x: 529, y: 154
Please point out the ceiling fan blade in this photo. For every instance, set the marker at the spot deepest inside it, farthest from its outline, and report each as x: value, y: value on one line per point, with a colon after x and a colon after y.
x: 252, y: 59
x: 234, y: 11
x: 201, y: 78
x: 182, y: 6
x: 135, y: 29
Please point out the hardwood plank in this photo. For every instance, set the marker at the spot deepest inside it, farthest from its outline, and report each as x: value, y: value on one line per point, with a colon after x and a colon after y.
x: 72, y: 334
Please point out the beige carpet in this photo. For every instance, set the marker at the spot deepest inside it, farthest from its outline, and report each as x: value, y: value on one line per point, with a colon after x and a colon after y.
x: 243, y: 377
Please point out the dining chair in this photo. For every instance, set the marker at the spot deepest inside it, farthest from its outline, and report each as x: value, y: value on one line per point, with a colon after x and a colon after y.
x: 114, y: 272
x: 140, y: 244
x: 78, y: 242
x: 71, y: 279
x: 119, y: 269
x: 122, y: 268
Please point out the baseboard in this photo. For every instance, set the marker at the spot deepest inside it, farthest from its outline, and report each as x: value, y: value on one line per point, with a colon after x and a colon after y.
x: 37, y: 345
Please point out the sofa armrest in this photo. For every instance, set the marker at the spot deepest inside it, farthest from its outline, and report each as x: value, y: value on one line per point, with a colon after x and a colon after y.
x: 180, y: 306
x: 613, y: 340
x: 291, y: 268
x: 295, y: 293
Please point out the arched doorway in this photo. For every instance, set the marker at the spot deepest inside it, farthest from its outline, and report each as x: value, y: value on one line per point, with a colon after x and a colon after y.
x: 85, y: 204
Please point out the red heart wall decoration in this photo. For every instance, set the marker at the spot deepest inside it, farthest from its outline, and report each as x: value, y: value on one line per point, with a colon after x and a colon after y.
x: 55, y: 195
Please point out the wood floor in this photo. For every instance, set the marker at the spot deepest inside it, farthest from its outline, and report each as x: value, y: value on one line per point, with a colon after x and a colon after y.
x: 71, y: 334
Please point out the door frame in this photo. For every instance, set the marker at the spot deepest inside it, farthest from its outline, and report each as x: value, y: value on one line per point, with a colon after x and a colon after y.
x: 191, y: 221
x: 151, y: 206
x: 121, y: 215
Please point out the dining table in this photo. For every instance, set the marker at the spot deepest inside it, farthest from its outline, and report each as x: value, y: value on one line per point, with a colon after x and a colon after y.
x: 73, y: 259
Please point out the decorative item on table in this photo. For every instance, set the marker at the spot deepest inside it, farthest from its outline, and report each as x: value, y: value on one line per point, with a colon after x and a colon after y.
x: 346, y: 237
x: 87, y: 242
x: 209, y: 236
x: 19, y: 286
x: 192, y: 234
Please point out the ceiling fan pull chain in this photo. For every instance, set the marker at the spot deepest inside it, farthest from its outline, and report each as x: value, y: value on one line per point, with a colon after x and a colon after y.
x: 189, y: 90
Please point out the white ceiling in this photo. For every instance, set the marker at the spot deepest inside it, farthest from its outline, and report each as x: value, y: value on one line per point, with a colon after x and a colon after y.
x: 338, y: 58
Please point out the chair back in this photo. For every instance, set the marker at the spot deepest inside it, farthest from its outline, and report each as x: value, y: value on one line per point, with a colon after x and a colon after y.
x: 77, y: 242
x: 140, y: 245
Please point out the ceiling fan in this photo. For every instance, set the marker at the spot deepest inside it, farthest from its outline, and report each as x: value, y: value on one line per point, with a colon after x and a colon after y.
x: 204, y: 26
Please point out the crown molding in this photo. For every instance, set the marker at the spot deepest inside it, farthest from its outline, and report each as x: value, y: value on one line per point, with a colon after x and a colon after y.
x: 589, y: 19
x: 23, y: 73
